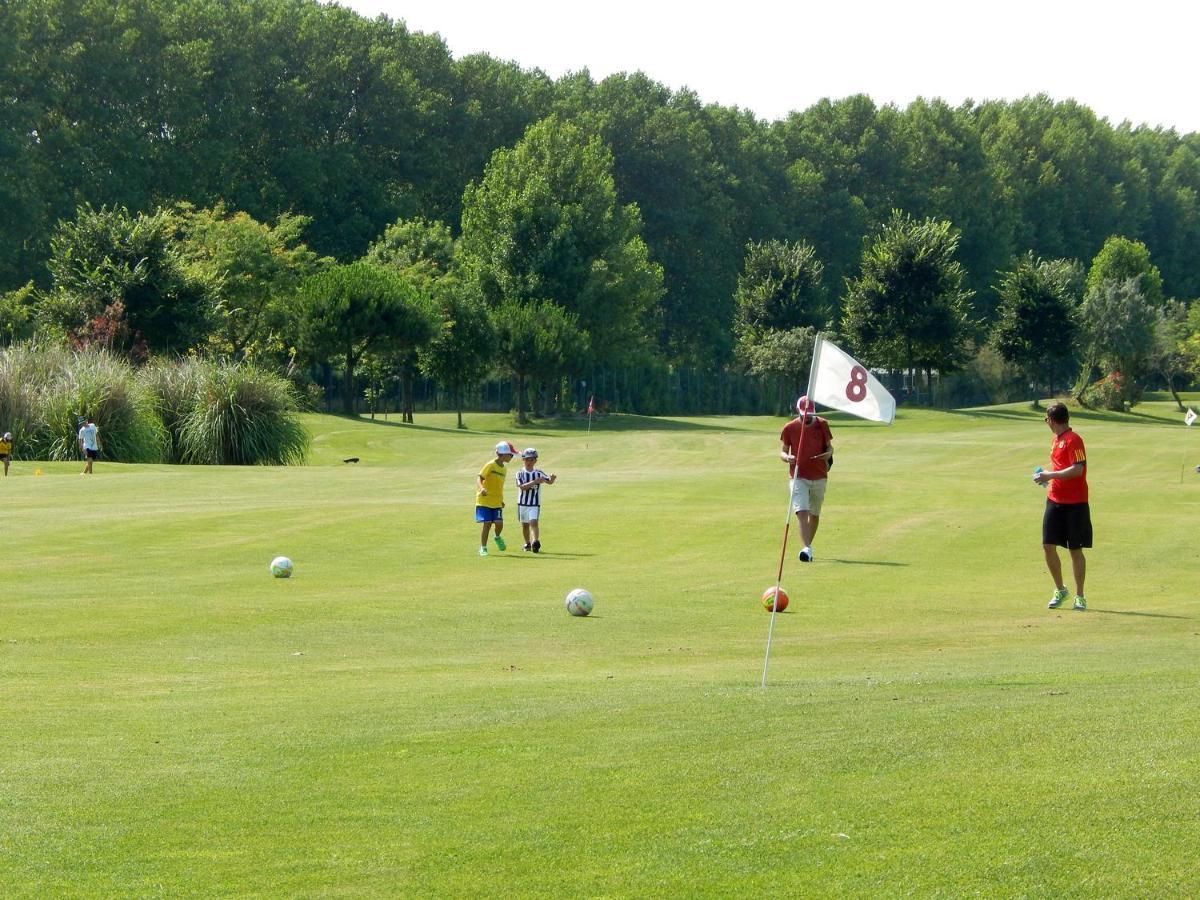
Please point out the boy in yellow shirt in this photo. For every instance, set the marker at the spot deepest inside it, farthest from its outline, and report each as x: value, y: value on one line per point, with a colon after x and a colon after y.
x: 489, y: 495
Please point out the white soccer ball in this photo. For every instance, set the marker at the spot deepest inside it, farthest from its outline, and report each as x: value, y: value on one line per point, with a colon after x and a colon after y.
x: 281, y: 567
x: 579, y: 602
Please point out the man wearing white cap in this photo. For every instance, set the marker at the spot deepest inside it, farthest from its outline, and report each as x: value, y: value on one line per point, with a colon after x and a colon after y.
x: 489, y: 495
x: 807, y: 447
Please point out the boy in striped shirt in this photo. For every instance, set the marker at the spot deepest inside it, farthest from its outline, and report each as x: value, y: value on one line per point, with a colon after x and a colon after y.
x: 529, y: 482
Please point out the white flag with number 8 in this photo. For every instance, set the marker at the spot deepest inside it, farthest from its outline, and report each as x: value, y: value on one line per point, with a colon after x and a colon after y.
x: 839, y: 381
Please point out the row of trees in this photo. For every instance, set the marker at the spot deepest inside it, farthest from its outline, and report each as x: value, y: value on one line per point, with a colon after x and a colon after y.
x: 400, y: 212
x: 544, y: 223
x: 909, y: 310
x: 278, y: 107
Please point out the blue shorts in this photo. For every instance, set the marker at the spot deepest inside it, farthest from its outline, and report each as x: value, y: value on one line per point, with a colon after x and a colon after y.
x: 489, y: 514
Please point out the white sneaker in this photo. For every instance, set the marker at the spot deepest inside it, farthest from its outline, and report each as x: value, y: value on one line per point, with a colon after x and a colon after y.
x: 483, y: 551
x: 806, y: 555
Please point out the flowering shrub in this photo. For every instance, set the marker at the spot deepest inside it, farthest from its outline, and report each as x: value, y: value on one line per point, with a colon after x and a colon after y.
x: 1110, y: 392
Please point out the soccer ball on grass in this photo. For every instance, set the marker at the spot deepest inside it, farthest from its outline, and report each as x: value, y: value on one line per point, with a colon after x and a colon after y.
x: 769, y: 595
x: 579, y: 602
x: 281, y: 567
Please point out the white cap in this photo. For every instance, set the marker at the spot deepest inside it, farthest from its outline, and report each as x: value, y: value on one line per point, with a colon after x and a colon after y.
x: 528, y: 453
x: 804, y: 405
x: 8, y: 437
x: 504, y: 448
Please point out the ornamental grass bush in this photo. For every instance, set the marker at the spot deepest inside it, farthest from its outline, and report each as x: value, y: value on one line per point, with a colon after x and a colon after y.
x: 50, y: 388
x: 220, y: 413
x: 18, y: 397
x: 173, y: 386
x: 192, y: 410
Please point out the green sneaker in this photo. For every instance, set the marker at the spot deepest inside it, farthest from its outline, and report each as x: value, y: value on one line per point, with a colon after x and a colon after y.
x: 1080, y: 602
x: 483, y: 551
x: 1059, y: 598
x: 500, y: 542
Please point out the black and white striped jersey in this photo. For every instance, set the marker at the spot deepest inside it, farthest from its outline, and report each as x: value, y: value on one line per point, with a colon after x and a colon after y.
x: 531, y: 497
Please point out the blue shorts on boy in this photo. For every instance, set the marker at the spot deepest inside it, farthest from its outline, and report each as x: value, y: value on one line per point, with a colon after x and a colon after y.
x: 489, y: 514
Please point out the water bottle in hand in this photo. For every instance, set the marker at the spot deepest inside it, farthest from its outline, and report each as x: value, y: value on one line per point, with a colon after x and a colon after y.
x: 1038, y: 471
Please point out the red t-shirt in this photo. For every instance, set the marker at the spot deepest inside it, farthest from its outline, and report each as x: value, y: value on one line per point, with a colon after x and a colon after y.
x: 817, y: 438
x: 1065, y: 451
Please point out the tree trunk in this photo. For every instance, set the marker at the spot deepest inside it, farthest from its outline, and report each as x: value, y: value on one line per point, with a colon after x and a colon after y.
x: 458, y: 392
x: 406, y: 383
x: 1085, y: 378
x: 348, y: 384
x: 1175, y: 394
x: 521, y: 418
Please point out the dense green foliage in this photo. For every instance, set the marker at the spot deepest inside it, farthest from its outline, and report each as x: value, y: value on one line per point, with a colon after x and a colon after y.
x: 358, y: 309
x: 463, y: 344
x: 122, y: 281
x: 279, y: 133
x: 253, y: 268
x: 1119, y: 331
x: 909, y: 308
x: 1121, y: 259
x: 544, y: 226
x: 781, y: 304
x: 1035, y: 324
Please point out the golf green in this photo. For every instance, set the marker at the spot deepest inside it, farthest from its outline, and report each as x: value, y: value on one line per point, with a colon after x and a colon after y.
x: 405, y: 718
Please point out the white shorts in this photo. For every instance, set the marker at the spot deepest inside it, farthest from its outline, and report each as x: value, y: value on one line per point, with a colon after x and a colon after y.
x: 808, y: 495
x: 527, y: 514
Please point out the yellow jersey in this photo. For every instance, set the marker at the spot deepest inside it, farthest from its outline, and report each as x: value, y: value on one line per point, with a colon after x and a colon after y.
x: 493, y: 475
x: 5, y: 448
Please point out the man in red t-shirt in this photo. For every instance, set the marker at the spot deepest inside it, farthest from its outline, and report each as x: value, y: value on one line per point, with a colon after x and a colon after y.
x: 807, y: 448
x: 1067, y: 521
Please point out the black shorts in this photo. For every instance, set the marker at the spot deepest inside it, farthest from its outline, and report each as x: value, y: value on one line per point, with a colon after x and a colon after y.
x: 1067, y: 525
x: 92, y: 454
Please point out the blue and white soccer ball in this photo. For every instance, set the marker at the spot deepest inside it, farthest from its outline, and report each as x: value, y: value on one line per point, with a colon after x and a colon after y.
x: 281, y: 567
x: 579, y: 602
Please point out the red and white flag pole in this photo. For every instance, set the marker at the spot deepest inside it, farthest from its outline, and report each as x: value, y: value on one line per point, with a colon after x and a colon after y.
x: 837, y: 380
x: 787, y: 524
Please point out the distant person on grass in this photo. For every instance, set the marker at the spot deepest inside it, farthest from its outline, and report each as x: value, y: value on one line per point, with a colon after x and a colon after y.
x: 529, y: 503
x: 6, y: 443
x: 489, y: 495
x: 807, y: 447
x: 1067, y: 521
x: 90, y: 444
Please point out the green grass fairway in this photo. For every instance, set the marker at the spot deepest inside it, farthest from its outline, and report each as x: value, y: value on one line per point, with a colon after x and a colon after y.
x: 403, y: 718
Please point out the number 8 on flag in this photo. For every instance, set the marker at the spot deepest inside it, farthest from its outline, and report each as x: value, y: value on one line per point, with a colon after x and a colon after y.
x: 839, y: 381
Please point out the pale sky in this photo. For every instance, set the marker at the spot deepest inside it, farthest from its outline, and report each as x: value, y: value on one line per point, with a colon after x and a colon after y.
x: 1132, y: 61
